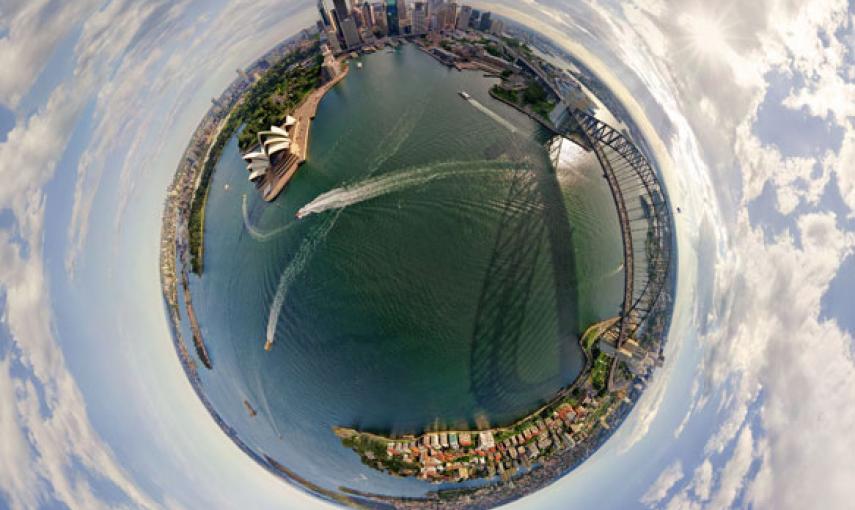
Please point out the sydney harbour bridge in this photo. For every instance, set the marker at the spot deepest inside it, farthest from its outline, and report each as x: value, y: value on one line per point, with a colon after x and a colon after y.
x: 645, y: 223
x: 646, y: 236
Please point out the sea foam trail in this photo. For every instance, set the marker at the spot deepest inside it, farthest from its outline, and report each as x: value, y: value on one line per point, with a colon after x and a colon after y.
x: 294, y: 268
x: 256, y: 234
x: 389, y: 146
x: 493, y: 115
x: 374, y: 187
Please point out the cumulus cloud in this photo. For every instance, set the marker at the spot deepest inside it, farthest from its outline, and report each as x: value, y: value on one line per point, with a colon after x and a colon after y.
x: 33, y: 31
x: 61, y: 450
x: 767, y: 349
x: 667, y: 479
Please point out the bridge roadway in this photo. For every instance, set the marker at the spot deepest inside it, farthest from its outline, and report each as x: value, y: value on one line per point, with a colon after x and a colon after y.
x: 630, y: 176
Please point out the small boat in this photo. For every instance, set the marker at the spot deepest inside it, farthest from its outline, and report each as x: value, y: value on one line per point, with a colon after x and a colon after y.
x: 300, y: 214
x: 359, y: 65
x: 465, y: 95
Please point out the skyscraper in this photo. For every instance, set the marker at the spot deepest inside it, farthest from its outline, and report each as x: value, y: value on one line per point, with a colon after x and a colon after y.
x: 341, y: 9
x: 474, y: 18
x: 392, y: 17
x: 325, y: 17
x: 368, y: 15
x: 451, y: 15
x: 351, y: 34
x: 420, y: 18
x: 484, y: 26
x: 402, y: 10
x: 463, y: 17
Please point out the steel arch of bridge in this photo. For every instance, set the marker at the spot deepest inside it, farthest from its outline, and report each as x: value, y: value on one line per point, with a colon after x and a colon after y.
x: 645, y: 228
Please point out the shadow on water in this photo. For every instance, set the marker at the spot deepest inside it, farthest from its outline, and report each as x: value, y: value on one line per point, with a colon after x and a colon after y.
x: 534, y: 224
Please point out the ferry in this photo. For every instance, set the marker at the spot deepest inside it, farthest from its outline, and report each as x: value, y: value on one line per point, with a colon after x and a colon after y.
x: 465, y: 95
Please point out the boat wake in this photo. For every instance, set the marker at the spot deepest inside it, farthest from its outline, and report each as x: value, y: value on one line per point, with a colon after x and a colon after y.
x: 373, y: 187
x: 615, y: 271
x: 304, y: 253
x: 493, y: 115
x: 254, y: 232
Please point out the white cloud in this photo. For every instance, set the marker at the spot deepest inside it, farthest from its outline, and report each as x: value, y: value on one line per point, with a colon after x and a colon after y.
x: 21, y: 486
x: 34, y: 29
x: 64, y: 439
x: 733, y: 475
x: 702, y: 480
x: 667, y: 479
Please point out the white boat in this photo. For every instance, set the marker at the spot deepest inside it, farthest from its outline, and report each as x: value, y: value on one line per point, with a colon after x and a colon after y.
x: 359, y: 65
x: 465, y: 95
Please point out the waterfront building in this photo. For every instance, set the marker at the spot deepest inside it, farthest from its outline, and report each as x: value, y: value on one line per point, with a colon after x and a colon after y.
x: 336, y: 23
x: 434, y: 441
x: 356, y: 14
x: 450, y: 16
x: 392, y: 27
x: 334, y: 43
x: 351, y: 33
x: 341, y: 9
x: 325, y: 17
x: 273, y: 148
x: 463, y: 17
x: 420, y: 19
x: 497, y: 27
x: 485, y: 22
x: 486, y: 440
x: 368, y: 15
x: 475, y: 19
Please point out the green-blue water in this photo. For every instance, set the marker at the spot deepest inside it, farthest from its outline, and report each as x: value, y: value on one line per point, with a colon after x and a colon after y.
x: 442, y: 273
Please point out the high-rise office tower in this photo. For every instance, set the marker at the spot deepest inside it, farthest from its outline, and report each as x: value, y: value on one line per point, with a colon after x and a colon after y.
x: 368, y: 15
x: 351, y: 34
x: 356, y: 14
x: 392, y: 27
x: 485, y: 23
x: 450, y: 15
x: 380, y: 18
x: 402, y: 10
x: 463, y: 17
x: 332, y: 37
x: 475, y: 18
x: 341, y: 9
x: 325, y: 17
x: 420, y: 18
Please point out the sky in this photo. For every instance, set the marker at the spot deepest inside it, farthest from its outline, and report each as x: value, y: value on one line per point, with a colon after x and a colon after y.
x: 749, y: 109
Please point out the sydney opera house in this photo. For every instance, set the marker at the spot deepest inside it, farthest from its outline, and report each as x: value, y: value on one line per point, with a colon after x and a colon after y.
x: 273, y: 152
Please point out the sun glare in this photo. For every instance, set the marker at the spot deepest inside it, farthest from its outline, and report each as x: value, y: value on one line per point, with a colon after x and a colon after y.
x: 706, y: 33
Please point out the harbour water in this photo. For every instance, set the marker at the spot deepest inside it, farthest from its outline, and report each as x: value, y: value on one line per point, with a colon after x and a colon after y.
x: 440, y: 273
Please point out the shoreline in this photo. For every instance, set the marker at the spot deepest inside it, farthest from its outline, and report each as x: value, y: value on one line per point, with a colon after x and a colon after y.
x: 590, y: 334
x: 304, y: 113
